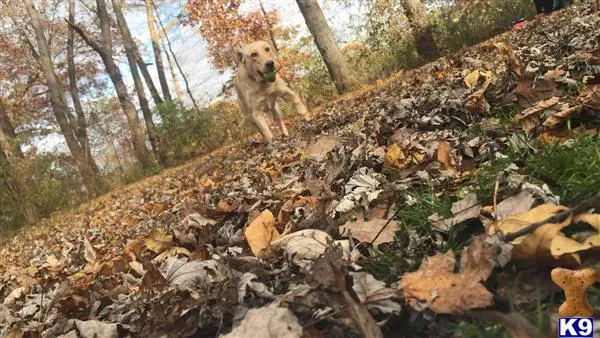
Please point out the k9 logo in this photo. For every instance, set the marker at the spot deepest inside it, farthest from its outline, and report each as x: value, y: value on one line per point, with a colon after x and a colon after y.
x: 572, y: 327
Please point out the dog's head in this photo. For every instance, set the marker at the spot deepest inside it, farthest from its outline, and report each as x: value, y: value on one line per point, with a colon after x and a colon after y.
x: 258, y: 59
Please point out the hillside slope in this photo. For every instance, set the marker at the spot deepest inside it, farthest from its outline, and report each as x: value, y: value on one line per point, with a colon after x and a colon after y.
x: 119, y: 259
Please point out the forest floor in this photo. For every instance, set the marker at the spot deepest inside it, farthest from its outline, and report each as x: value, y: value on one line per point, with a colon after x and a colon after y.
x: 392, y: 213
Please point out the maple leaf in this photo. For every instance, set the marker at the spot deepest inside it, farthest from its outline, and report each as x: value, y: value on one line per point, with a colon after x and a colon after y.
x: 435, y: 285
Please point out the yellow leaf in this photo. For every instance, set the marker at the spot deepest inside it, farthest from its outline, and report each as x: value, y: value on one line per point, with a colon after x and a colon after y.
x: 547, y: 245
x: 394, y: 157
x: 171, y: 253
x: 591, y: 219
x: 261, y: 232
x: 472, y: 78
x: 157, y: 241
x: 89, y: 252
x: 564, y: 245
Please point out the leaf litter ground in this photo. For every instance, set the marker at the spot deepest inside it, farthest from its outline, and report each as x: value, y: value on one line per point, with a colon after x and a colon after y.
x: 280, y: 240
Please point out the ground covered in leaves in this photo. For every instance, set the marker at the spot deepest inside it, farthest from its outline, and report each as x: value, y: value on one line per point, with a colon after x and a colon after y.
x: 402, y: 210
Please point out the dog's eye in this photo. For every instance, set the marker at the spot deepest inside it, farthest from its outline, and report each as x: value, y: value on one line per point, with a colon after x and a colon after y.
x: 267, y: 49
x: 255, y: 54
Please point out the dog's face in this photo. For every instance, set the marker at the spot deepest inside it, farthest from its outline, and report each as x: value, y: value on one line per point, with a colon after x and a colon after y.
x: 258, y: 59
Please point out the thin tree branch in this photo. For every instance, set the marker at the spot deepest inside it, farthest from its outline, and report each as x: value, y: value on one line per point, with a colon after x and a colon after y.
x: 588, y: 204
x: 86, y: 37
x: 187, y: 85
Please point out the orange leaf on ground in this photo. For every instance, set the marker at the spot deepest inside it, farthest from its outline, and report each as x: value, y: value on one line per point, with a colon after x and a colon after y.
x: 436, y: 286
x: 261, y: 232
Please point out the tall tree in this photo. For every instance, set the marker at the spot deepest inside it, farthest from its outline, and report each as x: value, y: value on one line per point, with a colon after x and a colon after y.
x: 151, y: 15
x: 185, y: 80
x: 80, y: 125
x: 331, y: 54
x: 130, y: 52
x: 105, y: 49
x: 178, y: 90
x: 416, y: 13
x: 58, y: 101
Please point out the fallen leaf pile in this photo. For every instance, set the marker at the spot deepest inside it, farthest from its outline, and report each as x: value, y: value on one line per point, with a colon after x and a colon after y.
x: 269, y: 241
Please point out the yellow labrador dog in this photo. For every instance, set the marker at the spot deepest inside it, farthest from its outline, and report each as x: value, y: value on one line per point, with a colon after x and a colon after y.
x: 258, y: 87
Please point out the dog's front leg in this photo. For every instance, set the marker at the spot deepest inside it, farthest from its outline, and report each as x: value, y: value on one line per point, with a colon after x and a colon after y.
x: 261, y: 122
x: 290, y: 95
x: 277, y: 118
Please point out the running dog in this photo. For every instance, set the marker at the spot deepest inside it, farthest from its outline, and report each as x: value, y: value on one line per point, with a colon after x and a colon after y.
x: 258, y: 87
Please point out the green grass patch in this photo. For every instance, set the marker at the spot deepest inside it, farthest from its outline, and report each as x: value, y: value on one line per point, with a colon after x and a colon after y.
x: 571, y: 171
x: 414, y: 239
x: 478, y: 329
x: 506, y: 113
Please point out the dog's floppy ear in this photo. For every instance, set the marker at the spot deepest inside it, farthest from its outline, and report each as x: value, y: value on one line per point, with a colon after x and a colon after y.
x: 239, y: 55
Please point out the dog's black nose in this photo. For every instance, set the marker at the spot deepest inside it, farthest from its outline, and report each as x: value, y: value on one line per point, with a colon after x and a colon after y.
x: 270, y: 64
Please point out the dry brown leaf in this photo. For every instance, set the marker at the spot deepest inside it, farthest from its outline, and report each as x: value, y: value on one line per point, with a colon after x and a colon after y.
x: 270, y: 322
x: 435, y: 285
x: 508, y: 55
x: 157, y: 241
x: 394, y: 157
x: 261, y: 232
x: 477, y: 103
x: 223, y: 206
x: 529, y: 93
x: 137, y: 267
x: 172, y: 252
x: 89, y: 252
x: 365, y: 231
x: 443, y: 153
x: 319, y: 149
x: 561, y: 116
x: 590, y: 97
x: 547, y: 245
x: 529, y: 118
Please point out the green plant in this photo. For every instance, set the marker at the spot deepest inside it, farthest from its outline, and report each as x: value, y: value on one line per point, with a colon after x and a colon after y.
x: 414, y: 238
x: 478, y: 330
x: 572, y: 171
x: 181, y: 130
x: 45, y: 183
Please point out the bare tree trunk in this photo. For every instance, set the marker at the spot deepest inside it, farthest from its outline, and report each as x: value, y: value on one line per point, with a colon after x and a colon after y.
x: 178, y: 89
x: 151, y: 15
x: 416, y: 13
x: 185, y: 80
x: 148, y: 78
x: 130, y: 51
x: 105, y: 49
x: 59, y: 105
x: 9, y: 134
x: 81, y: 124
x: 331, y: 54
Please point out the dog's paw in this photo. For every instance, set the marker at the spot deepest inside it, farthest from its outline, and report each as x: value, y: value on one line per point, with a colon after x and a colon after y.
x: 307, y: 117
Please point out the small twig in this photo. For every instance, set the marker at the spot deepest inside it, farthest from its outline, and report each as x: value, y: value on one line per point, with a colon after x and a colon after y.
x: 495, y: 199
x: 590, y: 203
x: 592, y: 90
x: 327, y: 316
